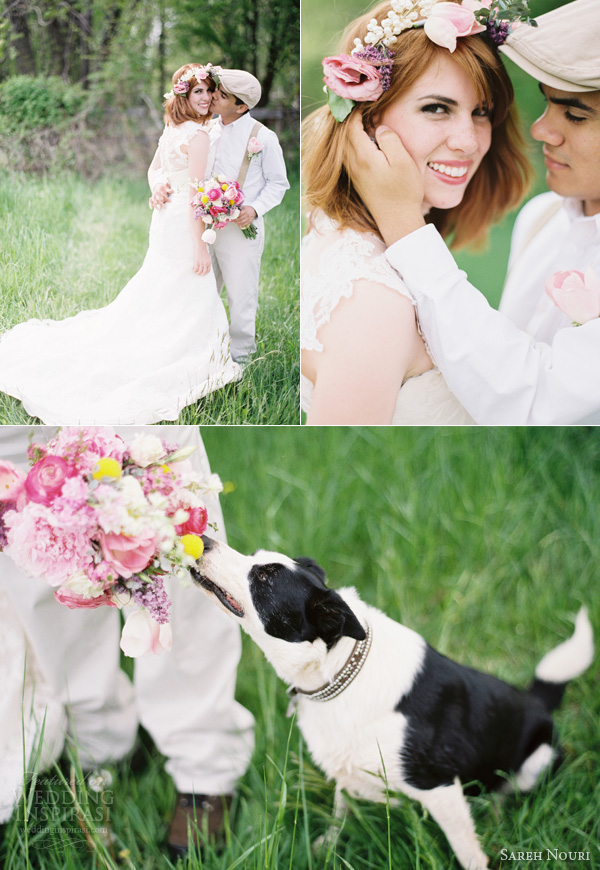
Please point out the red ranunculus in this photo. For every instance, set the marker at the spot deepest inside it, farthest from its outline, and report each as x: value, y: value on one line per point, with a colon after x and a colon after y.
x: 195, y: 524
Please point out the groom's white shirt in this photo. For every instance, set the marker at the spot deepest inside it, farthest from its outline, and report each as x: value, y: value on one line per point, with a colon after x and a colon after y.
x: 266, y: 181
x: 525, y: 364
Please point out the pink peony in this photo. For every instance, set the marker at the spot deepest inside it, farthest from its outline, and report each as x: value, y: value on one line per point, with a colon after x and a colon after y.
x: 45, y: 480
x: 11, y: 482
x: 129, y: 555
x: 195, y: 524
x: 447, y: 21
x: 74, y: 601
x: 576, y: 294
x: 41, y: 547
x: 142, y: 635
x: 352, y: 78
x: 81, y: 448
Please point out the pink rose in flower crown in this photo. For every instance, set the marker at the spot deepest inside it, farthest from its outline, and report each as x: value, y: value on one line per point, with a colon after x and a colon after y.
x: 447, y: 21
x: 129, y: 555
x: 45, y: 480
x: 352, y: 78
x: 576, y: 294
x: 12, y: 480
x: 181, y: 87
x: 195, y: 524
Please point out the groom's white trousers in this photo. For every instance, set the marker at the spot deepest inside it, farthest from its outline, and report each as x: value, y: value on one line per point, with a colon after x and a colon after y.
x: 184, y: 698
x: 236, y: 264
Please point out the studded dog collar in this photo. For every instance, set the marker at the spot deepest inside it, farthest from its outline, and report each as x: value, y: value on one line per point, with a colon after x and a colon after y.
x: 342, y: 679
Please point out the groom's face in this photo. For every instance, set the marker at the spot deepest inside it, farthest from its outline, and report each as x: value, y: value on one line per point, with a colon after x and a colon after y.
x: 570, y: 131
x: 225, y: 105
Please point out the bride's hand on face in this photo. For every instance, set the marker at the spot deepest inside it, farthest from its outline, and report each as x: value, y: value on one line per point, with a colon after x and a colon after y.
x: 202, y: 262
x: 386, y: 178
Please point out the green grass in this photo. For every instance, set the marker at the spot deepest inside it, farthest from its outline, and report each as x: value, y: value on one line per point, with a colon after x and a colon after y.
x: 486, y: 541
x: 322, y: 27
x: 68, y: 244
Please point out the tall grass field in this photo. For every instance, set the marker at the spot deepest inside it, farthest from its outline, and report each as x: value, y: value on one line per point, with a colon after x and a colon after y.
x: 69, y: 244
x: 485, y: 541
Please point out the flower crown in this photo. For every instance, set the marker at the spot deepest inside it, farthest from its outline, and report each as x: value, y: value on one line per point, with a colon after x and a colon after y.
x: 182, y: 85
x: 365, y: 73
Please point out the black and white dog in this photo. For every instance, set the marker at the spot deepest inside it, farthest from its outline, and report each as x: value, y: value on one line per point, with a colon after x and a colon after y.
x: 377, y: 705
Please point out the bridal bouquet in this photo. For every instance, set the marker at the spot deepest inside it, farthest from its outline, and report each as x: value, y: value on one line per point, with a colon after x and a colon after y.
x: 216, y: 202
x: 104, y: 522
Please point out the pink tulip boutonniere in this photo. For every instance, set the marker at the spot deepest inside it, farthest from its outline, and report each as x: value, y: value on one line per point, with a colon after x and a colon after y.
x: 577, y: 294
x: 254, y: 148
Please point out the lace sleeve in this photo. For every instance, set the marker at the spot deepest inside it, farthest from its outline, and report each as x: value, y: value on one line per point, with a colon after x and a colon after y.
x: 331, y: 265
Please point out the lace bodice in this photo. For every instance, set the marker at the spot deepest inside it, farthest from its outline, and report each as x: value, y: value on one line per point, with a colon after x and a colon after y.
x: 173, y: 160
x: 333, y: 261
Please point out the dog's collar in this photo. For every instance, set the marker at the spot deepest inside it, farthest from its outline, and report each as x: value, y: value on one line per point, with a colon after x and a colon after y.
x: 342, y: 679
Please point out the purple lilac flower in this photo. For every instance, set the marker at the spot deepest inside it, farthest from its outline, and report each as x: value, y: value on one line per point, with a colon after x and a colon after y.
x: 380, y: 57
x: 154, y: 598
x: 498, y: 31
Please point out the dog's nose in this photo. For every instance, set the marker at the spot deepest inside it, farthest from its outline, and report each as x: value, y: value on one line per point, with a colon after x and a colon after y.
x: 208, y: 542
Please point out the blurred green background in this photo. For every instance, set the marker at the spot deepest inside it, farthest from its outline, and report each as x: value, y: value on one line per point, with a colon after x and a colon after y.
x: 322, y: 26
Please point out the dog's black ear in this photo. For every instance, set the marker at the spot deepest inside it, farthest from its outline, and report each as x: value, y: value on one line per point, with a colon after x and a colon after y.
x: 333, y: 619
x: 311, y: 565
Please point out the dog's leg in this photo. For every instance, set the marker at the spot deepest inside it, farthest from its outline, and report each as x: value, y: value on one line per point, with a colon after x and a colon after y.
x: 532, y: 769
x: 332, y: 832
x: 449, y: 807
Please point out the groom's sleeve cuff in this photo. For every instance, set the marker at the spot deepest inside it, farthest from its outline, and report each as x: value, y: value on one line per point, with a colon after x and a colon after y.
x: 423, y: 261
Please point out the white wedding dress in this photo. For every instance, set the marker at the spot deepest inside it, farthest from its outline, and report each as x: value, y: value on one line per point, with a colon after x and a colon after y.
x: 332, y: 261
x: 162, y: 344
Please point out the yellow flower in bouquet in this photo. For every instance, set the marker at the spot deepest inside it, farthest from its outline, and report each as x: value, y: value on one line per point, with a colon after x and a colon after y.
x: 107, y: 467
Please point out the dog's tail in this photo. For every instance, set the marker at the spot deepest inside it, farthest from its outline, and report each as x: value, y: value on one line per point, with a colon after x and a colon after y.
x: 564, y: 663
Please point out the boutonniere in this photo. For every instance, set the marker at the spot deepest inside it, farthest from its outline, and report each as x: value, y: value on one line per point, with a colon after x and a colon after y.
x: 254, y: 148
x: 577, y: 294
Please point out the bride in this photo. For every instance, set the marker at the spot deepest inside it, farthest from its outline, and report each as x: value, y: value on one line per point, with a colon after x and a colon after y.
x: 163, y: 343
x: 364, y: 360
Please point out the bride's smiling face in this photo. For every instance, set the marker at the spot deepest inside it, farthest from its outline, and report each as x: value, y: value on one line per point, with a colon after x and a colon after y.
x: 444, y: 129
x: 200, y: 98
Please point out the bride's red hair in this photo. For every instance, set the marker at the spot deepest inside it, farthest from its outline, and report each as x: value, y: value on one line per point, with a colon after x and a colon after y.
x: 177, y: 107
x: 499, y: 184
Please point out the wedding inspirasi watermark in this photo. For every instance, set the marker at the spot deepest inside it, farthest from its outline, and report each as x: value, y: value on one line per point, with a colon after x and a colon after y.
x: 547, y: 854
x: 57, y: 807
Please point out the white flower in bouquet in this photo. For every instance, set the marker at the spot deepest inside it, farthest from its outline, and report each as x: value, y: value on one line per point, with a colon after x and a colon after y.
x: 146, y: 450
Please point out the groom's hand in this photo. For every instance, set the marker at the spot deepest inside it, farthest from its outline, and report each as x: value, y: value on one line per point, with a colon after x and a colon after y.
x: 386, y: 178
x: 246, y: 216
x: 160, y: 195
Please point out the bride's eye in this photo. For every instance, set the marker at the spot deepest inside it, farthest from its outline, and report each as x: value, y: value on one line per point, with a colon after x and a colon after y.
x: 482, y: 111
x: 435, y: 109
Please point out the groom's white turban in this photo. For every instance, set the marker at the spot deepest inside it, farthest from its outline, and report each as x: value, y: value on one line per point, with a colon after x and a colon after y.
x: 242, y: 85
x: 563, y: 51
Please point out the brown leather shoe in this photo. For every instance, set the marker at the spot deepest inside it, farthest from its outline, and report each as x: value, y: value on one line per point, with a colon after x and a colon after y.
x: 198, y: 818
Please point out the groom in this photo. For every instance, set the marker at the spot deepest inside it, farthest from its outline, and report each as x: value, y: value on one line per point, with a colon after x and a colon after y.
x: 250, y: 153
x: 525, y: 364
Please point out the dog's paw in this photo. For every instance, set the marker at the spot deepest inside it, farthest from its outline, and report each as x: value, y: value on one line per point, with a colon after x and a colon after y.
x: 326, y: 841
